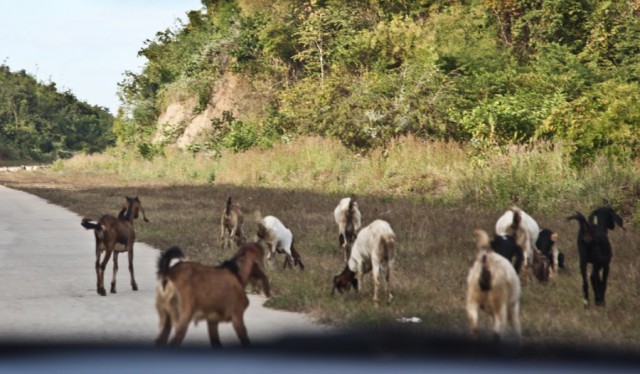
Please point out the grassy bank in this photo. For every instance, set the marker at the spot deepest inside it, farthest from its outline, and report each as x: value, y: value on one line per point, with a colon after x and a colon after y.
x: 433, y: 195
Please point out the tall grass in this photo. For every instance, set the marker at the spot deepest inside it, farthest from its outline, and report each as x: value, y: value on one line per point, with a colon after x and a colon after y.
x: 535, y: 177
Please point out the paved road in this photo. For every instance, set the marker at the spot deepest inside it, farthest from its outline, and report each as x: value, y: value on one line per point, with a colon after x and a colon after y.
x: 47, y: 286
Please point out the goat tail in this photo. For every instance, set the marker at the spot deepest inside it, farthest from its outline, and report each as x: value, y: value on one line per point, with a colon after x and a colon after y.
x: 90, y: 225
x: 517, y: 218
x: 485, y: 274
x: 227, y: 210
x: 352, y: 202
x: 388, y: 243
x: 164, y: 261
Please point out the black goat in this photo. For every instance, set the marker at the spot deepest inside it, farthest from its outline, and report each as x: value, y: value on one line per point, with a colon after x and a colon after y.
x: 547, y: 243
x: 594, y: 248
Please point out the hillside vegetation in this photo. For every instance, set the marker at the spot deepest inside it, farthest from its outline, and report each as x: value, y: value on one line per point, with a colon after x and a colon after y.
x: 39, y: 123
x: 488, y: 73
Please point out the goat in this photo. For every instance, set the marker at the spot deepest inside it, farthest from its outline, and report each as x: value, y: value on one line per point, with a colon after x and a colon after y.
x: 373, y: 250
x: 594, y: 248
x: 109, y: 231
x: 278, y: 238
x: 547, y: 243
x: 493, y: 286
x: 348, y: 218
x: 250, y: 260
x: 190, y: 291
x: 231, y: 224
x: 508, y: 246
x: 504, y: 227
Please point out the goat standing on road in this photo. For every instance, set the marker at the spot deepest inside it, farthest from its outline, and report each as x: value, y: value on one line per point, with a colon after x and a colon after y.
x: 594, y: 248
x: 109, y: 231
x: 190, y: 291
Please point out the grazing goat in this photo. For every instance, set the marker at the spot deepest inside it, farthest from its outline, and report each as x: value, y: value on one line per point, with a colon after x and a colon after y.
x: 250, y: 260
x: 348, y: 218
x: 190, y: 291
x: 231, y: 225
x: 109, y: 231
x: 278, y: 238
x: 594, y: 248
x: 547, y: 243
x: 373, y: 250
x: 508, y: 245
x: 493, y: 286
x: 504, y: 226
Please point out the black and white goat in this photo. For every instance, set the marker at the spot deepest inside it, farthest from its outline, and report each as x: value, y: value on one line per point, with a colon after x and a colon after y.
x: 526, y: 234
x: 594, y: 248
x: 349, y: 220
x: 494, y: 287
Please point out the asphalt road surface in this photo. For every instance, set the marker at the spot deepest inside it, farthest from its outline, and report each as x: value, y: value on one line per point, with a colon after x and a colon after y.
x: 48, y: 286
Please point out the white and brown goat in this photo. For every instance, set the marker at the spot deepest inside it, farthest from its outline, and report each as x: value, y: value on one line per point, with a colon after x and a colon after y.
x: 373, y: 250
x: 494, y: 287
x: 349, y: 220
x: 231, y: 224
x: 278, y: 239
x: 189, y: 291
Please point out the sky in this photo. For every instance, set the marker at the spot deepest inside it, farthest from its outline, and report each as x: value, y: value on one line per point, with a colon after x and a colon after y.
x: 84, y: 46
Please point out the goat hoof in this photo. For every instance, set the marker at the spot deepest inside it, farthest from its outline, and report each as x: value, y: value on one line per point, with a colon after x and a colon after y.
x: 134, y: 287
x: 102, y: 292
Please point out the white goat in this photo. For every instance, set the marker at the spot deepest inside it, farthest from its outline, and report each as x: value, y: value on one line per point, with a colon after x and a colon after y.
x: 373, y: 250
x: 279, y: 239
x: 349, y: 220
x: 504, y: 227
x: 493, y: 286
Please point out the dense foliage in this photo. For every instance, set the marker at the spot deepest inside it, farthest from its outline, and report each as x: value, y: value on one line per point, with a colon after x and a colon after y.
x: 490, y: 72
x: 41, y: 124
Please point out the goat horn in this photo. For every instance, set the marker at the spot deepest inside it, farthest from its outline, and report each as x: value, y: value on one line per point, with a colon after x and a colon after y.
x: 143, y: 214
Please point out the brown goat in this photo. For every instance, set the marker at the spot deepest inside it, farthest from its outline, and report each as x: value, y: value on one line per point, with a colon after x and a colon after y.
x: 190, y: 291
x: 250, y: 261
x: 231, y: 224
x: 109, y: 231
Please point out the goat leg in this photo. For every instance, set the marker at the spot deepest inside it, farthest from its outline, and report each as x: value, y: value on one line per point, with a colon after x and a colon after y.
x: 115, y: 271
x: 585, y: 283
x: 134, y: 285
x: 241, y: 330
x: 214, y: 336
x: 163, y: 336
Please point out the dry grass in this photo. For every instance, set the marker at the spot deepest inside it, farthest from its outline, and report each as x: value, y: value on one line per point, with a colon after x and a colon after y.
x: 435, y: 251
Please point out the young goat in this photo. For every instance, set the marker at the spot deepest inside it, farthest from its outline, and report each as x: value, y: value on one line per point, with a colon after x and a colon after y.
x: 231, y: 225
x: 109, y: 231
x: 348, y: 218
x: 493, y: 286
x: 278, y: 238
x: 189, y: 291
x: 594, y: 248
x: 373, y: 250
x: 547, y: 243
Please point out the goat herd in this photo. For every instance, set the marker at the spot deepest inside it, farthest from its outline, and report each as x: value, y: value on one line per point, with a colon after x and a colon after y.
x: 188, y: 291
